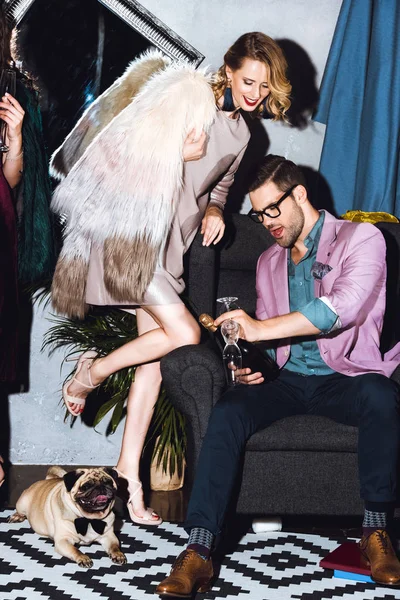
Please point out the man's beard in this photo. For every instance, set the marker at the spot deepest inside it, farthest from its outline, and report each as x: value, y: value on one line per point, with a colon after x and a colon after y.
x: 292, y: 231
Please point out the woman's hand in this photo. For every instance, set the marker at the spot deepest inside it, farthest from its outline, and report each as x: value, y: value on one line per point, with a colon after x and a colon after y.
x: 194, y: 149
x: 13, y: 114
x: 250, y: 329
x: 212, y: 226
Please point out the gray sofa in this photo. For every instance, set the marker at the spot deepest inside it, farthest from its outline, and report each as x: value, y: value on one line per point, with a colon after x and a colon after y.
x: 302, y: 464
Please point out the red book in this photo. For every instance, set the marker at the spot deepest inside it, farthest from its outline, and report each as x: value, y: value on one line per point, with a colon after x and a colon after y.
x: 346, y: 557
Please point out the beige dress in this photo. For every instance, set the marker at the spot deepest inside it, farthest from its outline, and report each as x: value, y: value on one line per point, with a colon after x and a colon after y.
x: 206, y: 182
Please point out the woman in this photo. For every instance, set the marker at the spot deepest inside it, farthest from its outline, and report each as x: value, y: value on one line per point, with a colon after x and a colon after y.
x: 31, y: 258
x: 253, y: 80
x: 11, y: 113
x: 24, y: 209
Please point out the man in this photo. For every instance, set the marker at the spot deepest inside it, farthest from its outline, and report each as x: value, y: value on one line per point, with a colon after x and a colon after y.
x: 321, y: 295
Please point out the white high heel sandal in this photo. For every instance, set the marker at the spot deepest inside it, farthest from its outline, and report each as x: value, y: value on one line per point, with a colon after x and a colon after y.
x: 89, y: 355
x: 147, y: 518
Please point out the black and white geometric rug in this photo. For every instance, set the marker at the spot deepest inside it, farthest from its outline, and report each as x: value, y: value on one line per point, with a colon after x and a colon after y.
x: 273, y: 566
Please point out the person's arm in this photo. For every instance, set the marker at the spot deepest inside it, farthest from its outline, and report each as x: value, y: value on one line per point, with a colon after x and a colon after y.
x: 213, y: 224
x: 361, y: 272
x: 361, y: 277
x: 291, y: 325
x: 318, y: 312
x: 321, y: 314
x: 13, y: 114
x: 219, y: 193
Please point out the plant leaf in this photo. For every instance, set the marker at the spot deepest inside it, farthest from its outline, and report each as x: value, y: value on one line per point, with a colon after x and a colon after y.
x: 117, y: 415
x: 104, y: 409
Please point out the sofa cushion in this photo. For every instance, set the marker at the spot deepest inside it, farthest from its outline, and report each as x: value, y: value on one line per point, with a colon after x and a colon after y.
x: 305, y: 433
x: 242, y: 287
x: 244, y: 242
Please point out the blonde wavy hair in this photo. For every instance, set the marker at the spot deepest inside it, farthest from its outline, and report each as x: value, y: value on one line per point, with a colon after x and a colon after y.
x: 258, y: 46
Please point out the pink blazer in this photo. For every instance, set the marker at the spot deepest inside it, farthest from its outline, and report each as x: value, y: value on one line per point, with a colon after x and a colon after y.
x: 355, y: 287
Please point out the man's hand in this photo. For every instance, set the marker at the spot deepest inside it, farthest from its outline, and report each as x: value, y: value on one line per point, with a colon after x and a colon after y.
x: 194, y: 149
x: 212, y: 226
x: 248, y: 378
x: 250, y: 329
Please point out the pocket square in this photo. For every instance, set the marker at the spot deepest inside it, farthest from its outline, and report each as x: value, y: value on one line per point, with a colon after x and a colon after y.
x: 319, y: 270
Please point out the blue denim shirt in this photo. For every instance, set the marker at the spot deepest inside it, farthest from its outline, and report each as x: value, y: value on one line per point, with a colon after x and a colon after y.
x: 305, y: 357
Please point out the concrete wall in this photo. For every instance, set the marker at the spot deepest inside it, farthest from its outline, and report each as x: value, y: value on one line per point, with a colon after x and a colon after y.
x: 212, y: 26
x: 38, y: 434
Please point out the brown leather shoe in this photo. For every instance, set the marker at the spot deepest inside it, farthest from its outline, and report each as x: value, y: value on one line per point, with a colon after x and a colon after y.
x: 190, y: 573
x: 378, y: 551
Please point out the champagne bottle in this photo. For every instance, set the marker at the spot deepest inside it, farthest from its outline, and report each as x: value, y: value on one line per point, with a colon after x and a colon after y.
x: 254, y: 356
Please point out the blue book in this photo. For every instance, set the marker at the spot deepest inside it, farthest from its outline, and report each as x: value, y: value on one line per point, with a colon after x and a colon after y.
x: 347, y: 561
x: 354, y: 576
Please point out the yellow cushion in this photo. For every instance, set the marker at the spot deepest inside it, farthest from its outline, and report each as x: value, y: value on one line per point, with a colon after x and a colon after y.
x: 363, y: 216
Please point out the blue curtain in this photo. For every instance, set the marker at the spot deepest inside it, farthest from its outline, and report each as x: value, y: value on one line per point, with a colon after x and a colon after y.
x: 360, y: 105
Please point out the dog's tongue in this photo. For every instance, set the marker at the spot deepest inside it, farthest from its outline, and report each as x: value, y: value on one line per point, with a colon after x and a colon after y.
x: 101, y: 499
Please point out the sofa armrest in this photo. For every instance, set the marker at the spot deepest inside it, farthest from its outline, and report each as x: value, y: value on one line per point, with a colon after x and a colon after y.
x: 194, y: 379
x: 200, y: 276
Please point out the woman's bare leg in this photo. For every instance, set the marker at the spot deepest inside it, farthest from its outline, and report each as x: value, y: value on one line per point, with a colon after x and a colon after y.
x: 176, y: 327
x: 142, y: 397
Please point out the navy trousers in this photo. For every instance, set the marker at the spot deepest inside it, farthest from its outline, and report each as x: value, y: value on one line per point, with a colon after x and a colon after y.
x: 369, y: 402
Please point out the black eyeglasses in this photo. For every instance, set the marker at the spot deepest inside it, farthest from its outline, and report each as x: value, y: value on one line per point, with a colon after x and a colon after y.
x: 273, y: 210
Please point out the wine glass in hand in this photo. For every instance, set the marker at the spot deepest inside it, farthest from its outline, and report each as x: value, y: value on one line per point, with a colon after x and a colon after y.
x: 7, y: 85
x: 227, y: 304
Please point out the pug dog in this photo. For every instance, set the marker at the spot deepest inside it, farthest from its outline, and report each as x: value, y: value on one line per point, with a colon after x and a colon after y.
x: 71, y: 508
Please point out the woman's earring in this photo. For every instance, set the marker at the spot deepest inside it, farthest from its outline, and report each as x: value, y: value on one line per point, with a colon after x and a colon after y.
x: 228, y: 104
x: 263, y: 111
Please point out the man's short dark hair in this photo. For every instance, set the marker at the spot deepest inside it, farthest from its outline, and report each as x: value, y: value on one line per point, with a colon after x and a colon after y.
x: 276, y: 169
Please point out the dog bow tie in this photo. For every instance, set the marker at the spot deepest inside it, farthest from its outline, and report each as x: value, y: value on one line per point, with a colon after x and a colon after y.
x: 82, y: 524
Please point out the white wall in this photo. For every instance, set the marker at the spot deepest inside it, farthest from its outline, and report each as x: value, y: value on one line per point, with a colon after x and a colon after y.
x: 212, y: 26
x: 38, y: 434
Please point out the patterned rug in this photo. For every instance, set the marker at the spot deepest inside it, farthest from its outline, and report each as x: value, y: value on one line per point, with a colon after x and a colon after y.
x: 273, y: 566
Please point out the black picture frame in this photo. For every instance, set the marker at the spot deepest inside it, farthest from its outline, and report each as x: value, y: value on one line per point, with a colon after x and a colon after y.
x: 135, y: 15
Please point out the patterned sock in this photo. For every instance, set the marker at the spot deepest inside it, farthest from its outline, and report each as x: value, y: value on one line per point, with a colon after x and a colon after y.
x: 201, y: 540
x: 372, y: 521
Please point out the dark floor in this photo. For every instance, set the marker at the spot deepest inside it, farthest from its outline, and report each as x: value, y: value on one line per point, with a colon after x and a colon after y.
x: 172, y: 506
